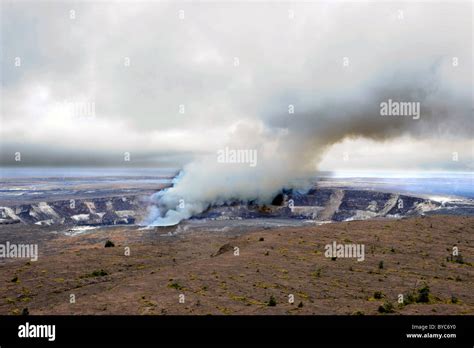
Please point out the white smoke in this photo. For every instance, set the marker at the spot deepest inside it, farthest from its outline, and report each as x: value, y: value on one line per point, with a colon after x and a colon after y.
x: 289, y: 149
x: 401, y: 63
x: 206, y: 181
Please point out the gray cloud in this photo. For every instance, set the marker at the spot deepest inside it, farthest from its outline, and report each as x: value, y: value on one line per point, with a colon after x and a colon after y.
x: 190, y: 62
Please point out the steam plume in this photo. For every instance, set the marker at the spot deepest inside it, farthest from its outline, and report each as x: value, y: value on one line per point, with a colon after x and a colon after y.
x: 336, y: 105
x: 290, y: 146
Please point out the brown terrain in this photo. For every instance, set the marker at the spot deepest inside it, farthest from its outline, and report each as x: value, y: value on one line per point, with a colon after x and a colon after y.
x: 401, y: 257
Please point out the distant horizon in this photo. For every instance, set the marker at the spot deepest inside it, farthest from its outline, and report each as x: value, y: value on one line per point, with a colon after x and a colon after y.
x: 338, y: 173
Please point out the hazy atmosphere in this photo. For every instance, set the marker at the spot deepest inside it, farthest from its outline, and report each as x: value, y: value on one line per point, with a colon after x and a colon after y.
x: 83, y: 83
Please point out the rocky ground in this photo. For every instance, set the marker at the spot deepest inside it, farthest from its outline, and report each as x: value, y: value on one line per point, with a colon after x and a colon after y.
x: 256, y: 271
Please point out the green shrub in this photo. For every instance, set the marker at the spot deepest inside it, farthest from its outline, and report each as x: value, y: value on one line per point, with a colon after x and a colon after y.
x: 317, y: 273
x: 97, y: 273
x: 378, y: 295
x: 100, y: 273
x: 423, y: 294
x: 409, y: 298
x: 272, y: 302
x: 387, y: 307
x: 175, y: 285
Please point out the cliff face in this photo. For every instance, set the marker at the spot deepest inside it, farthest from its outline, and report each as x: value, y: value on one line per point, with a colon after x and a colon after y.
x: 327, y: 205
x: 318, y: 204
x: 96, y: 211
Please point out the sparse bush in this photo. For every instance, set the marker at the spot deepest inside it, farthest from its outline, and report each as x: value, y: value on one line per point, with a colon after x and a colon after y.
x: 381, y: 265
x: 378, y: 295
x: 300, y: 305
x: 272, y: 302
x: 387, y: 307
x: 175, y: 285
x: 423, y: 294
x: 109, y: 244
x: 454, y: 299
x: 99, y: 273
x: 317, y: 273
x: 409, y: 298
x: 96, y: 273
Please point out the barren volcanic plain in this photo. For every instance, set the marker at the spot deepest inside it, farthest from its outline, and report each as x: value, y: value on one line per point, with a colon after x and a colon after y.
x: 223, y: 268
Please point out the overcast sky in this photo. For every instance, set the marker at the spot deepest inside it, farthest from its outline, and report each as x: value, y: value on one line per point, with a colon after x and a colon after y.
x: 85, y: 82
